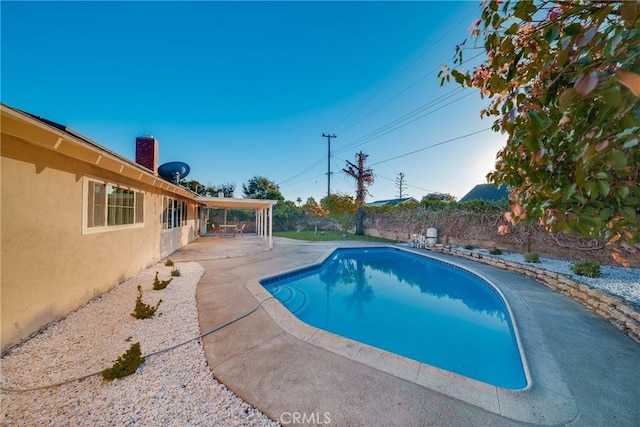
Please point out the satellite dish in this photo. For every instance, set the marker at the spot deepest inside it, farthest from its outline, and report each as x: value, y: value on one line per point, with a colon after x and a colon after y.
x: 174, y: 171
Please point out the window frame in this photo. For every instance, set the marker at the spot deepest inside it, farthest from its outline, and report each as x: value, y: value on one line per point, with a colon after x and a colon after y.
x: 138, y: 202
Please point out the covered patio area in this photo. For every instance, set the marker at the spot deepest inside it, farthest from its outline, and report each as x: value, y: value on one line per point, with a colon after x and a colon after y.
x: 262, y: 207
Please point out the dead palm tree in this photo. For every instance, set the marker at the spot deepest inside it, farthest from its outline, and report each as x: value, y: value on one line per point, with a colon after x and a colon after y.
x: 364, y: 177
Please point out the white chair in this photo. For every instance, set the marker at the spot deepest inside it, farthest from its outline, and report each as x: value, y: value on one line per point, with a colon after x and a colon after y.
x: 239, y: 229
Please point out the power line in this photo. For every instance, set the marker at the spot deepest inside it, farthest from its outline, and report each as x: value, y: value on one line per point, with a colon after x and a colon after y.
x: 400, y: 73
x: 431, y: 146
x: 301, y: 172
x: 387, y: 129
x: 404, y: 90
x: 408, y: 185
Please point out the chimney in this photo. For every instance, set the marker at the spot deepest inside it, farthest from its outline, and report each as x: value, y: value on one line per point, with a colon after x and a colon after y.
x: 147, y: 152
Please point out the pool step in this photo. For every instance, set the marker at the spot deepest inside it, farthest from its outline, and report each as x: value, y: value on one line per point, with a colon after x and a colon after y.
x: 291, y: 297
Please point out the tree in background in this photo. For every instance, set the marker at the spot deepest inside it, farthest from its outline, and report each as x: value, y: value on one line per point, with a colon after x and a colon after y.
x: 228, y: 189
x: 315, y: 211
x: 286, y: 214
x: 194, y: 186
x: 401, y: 183
x: 438, y: 198
x: 364, y: 178
x: 342, y: 208
x: 564, y: 84
x: 260, y: 187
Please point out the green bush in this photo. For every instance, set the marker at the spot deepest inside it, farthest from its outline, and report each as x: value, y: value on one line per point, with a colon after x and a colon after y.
x: 126, y: 364
x: 469, y: 247
x: 175, y: 273
x: 586, y: 268
x: 532, y: 257
x: 495, y: 251
x: 142, y: 310
x: 161, y: 284
x: 169, y: 263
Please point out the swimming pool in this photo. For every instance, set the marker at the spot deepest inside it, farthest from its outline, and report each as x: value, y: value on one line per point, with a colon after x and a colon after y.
x: 420, y: 308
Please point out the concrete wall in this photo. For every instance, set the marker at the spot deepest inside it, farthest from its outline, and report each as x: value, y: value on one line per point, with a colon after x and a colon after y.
x: 49, y: 266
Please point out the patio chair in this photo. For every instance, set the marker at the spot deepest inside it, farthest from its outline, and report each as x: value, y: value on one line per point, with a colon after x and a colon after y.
x: 239, y: 229
x: 215, y: 229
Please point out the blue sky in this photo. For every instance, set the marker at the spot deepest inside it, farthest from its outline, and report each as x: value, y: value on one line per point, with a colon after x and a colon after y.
x: 243, y: 89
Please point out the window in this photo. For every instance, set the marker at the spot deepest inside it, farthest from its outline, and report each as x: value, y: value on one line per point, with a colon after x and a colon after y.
x: 174, y: 213
x: 112, y: 205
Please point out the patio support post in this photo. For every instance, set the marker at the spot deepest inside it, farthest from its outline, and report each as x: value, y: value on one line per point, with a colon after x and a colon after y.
x: 264, y: 225
x: 270, y: 227
x: 257, y: 211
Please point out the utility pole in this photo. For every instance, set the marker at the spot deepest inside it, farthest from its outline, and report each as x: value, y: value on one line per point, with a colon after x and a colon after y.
x: 328, y: 161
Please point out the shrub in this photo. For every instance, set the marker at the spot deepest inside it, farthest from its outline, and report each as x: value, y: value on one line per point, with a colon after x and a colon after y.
x: 532, y: 257
x: 495, y: 251
x: 175, y: 273
x: 126, y: 364
x: 161, y: 284
x: 142, y: 310
x: 469, y: 247
x: 168, y: 263
x: 586, y: 268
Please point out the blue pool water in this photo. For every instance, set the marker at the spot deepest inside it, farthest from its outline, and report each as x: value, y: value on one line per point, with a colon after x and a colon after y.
x: 411, y: 305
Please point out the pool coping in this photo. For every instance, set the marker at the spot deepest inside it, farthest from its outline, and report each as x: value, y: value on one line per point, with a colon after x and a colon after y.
x: 545, y: 400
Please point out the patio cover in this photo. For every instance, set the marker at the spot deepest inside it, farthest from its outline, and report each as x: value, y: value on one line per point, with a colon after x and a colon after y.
x: 263, y: 208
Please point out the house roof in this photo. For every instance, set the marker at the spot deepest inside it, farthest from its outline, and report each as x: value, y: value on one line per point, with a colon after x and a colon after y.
x: 392, y: 202
x: 62, y: 139
x: 487, y: 192
x: 231, y: 203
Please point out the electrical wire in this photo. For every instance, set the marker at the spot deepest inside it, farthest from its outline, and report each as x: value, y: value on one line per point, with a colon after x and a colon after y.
x: 408, y: 185
x: 404, y: 90
x: 434, y: 44
x: 217, y: 328
x: 431, y: 146
x: 404, y: 120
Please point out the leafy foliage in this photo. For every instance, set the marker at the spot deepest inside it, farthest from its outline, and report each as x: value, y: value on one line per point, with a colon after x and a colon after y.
x: 286, y: 214
x: 586, y: 268
x: 175, y: 272
x: 194, y: 186
x: 168, y: 263
x: 564, y: 83
x: 142, y: 310
x: 315, y: 211
x: 260, y: 187
x: 126, y: 364
x: 161, y: 284
x: 228, y: 189
x: 342, y: 209
x: 532, y: 257
x: 495, y: 251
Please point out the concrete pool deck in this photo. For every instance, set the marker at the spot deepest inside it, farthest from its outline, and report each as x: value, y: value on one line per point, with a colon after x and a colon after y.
x: 583, y: 370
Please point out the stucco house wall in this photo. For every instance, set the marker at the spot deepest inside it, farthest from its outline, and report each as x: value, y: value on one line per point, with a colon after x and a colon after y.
x: 51, y: 262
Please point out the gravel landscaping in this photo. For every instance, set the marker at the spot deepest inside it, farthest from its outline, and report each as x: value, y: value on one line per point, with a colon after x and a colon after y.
x: 173, y: 388
x: 620, y: 281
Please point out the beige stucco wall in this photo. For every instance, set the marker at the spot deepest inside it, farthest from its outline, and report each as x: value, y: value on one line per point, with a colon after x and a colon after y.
x: 49, y: 267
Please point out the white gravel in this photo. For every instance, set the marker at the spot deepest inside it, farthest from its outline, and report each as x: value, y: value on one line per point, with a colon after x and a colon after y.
x: 621, y: 281
x: 175, y: 388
